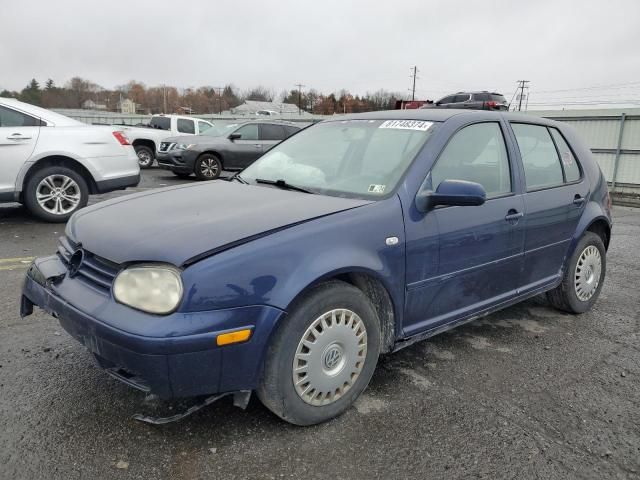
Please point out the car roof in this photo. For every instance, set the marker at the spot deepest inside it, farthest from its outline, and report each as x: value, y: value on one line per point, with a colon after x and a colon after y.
x: 442, y: 115
x: 48, y: 115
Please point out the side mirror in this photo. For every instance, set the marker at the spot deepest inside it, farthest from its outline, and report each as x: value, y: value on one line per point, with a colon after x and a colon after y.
x: 234, y: 136
x: 451, y: 192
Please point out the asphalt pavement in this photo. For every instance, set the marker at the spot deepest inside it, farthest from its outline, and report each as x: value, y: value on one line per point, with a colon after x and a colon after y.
x: 528, y: 392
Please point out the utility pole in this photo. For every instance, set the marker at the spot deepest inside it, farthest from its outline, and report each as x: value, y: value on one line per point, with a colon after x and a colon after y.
x: 414, y: 75
x: 522, y: 85
x: 219, y: 92
x: 300, y: 87
x: 164, y: 98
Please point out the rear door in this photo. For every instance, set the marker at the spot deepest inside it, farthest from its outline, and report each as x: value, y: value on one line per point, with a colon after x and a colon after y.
x: 271, y: 134
x: 556, y: 194
x: 18, y: 136
x: 462, y: 260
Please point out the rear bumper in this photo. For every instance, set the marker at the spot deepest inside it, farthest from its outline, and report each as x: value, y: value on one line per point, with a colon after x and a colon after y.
x: 119, y: 183
x: 170, y: 367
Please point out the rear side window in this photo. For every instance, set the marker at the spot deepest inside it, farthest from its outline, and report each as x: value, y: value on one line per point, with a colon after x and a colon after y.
x: 542, y: 167
x: 272, y: 132
x: 11, y: 118
x: 481, y: 97
x: 569, y: 163
x: 186, y: 126
x: 476, y: 153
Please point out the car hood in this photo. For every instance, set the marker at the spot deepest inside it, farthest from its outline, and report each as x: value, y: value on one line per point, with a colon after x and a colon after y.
x: 182, y: 224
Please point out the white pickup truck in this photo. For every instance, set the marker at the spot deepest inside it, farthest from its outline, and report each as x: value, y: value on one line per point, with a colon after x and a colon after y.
x: 146, y: 139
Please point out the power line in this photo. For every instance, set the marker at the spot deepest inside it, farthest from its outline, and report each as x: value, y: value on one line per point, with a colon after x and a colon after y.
x: 593, y: 87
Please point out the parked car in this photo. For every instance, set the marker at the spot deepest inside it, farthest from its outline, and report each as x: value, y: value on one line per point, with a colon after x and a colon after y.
x: 231, y: 147
x: 472, y: 100
x: 51, y: 163
x: 356, y: 237
x: 146, y: 139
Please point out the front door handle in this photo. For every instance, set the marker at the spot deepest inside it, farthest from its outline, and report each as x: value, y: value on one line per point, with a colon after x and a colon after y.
x: 258, y: 145
x: 18, y: 136
x: 513, y: 216
x: 578, y: 200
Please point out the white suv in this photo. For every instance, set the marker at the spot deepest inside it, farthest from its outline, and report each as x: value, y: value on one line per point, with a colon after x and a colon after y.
x: 51, y: 163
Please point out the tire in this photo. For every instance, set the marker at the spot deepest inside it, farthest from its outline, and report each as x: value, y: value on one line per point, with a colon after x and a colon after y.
x: 576, y: 294
x: 145, y: 156
x: 181, y: 175
x: 48, y: 182
x: 208, y: 167
x: 335, y: 361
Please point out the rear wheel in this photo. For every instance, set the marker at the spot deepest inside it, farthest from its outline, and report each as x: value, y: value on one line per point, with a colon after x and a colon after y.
x: 583, y: 277
x: 208, y: 167
x: 322, y: 356
x: 145, y: 156
x: 55, y: 193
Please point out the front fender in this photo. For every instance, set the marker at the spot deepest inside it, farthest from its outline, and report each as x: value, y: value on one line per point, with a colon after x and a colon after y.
x: 273, y: 270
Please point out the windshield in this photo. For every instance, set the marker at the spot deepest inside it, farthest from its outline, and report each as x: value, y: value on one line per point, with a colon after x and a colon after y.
x: 219, y: 130
x: 354, y: 158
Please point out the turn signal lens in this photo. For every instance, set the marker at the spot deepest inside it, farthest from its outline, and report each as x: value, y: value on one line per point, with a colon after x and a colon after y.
x: 233, y: 337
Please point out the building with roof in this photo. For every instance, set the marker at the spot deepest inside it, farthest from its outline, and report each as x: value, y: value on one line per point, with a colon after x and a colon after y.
x: 253, y: 107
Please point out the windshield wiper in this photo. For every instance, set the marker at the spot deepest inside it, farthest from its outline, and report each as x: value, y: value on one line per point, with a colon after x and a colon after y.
x: 283, y: 184
x: 238, y: 178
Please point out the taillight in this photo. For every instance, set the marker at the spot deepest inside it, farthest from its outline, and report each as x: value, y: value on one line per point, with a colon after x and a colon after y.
x: 121, y: 137
x: 491, y: 104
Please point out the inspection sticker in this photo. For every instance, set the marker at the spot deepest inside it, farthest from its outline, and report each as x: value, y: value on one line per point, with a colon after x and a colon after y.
x: 376, y: 188
x: 407, y: 124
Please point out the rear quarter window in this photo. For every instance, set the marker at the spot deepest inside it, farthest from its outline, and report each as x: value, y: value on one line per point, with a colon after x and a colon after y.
x: 568, y: 159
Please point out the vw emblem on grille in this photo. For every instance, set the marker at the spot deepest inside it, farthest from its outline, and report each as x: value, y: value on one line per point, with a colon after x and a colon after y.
x: 75, y: 262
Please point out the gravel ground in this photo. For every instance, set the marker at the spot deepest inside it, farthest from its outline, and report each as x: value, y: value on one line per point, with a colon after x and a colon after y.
x: 525, y: 393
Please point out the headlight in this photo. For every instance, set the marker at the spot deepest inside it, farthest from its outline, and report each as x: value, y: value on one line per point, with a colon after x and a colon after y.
x: 184, y: 146
x: 150, y: 288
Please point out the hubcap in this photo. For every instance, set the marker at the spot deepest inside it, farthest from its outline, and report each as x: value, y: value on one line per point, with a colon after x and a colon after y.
x: 58, y: 194
x: 209, y: 167
x: 330, y: 357
x: 587, y: 274
x: 144, y: 157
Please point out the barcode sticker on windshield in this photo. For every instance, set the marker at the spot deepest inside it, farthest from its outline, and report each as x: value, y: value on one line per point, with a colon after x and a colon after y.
x: 376, y: 188
x: 407, y: 124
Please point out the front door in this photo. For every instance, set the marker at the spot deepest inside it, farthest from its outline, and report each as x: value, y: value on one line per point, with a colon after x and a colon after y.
x: 245, y: 150
x: 18, y: 136
x: 462, y: 260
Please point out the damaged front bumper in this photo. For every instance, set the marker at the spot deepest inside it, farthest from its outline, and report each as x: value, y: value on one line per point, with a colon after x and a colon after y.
x: 185, y: 363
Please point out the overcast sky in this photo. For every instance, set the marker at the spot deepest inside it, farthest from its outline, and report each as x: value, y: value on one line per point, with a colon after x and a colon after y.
x: 328, y: 45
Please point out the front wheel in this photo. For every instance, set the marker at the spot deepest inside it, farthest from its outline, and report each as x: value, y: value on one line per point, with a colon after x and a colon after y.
x: 208, y: 167
x: 583, y: 277
x: 322, y: 356
x: 55, y: 193
x: 145, y: 156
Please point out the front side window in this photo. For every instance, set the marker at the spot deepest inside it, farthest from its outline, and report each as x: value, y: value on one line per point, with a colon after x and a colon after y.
x: 186, y: 126
x: 11, y: 118
x: 203, y: 127
x: 248, y: 132
x: 460, y: 98
x: 351, y: 158
x: 476, y: 153
x: 542, y: 167
x: 569, y: 163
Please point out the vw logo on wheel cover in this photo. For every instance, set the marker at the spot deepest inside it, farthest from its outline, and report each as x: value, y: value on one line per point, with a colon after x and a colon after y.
x: 332, y: 357
x: 75, y: 262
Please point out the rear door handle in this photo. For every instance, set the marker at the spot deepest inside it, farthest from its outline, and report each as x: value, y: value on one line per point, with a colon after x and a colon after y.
x: 513, y: 216
x: 578, y: 200
x: 18, y: 136
x: 258, y: 145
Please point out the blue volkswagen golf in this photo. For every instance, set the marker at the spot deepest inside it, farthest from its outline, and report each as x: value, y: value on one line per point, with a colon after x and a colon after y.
x: 353, y: 238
